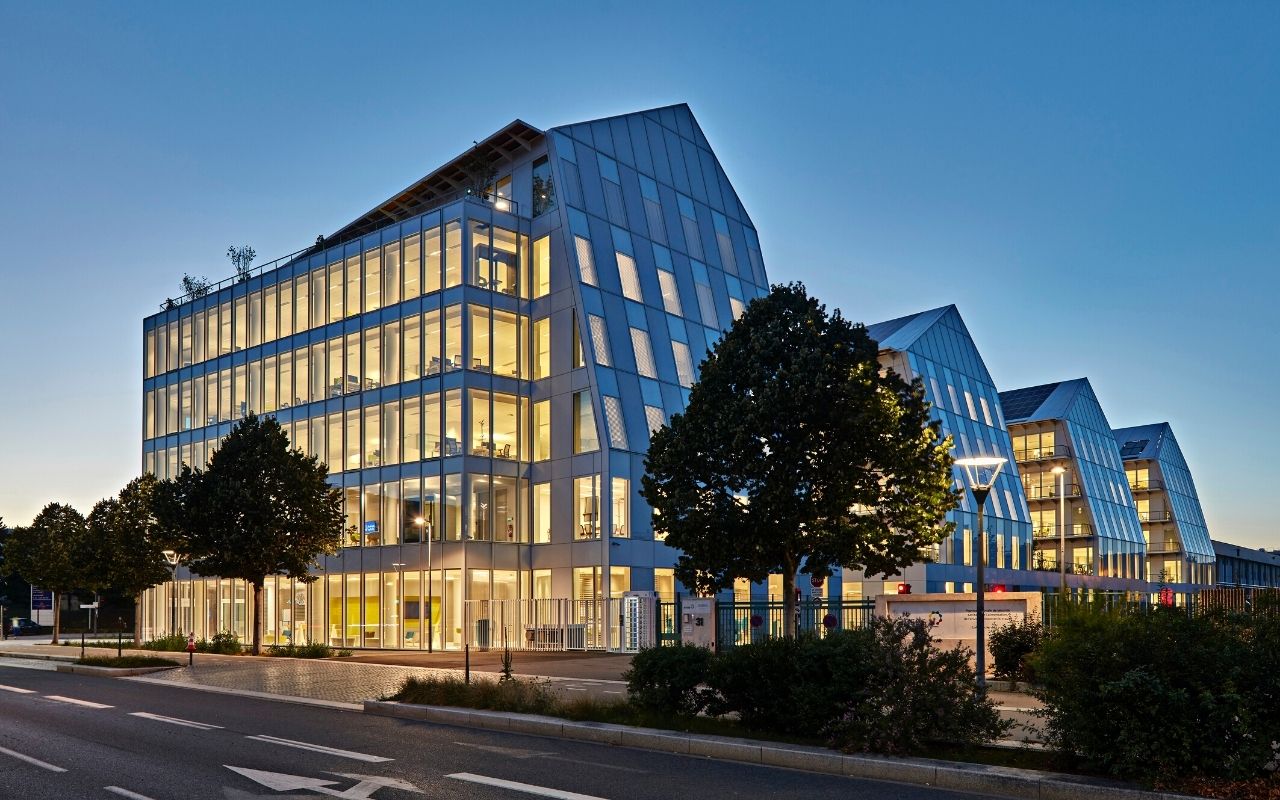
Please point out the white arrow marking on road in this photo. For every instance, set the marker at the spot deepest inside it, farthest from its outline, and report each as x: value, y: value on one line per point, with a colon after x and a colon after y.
x: 126, y: 793
x: 35, y: 762
x: 371, y: 783
x: 203, y: 726
x: 279, y: 781
x: 513, y: 752
x: 75, y: 702
x: 527, y: 788
x: 319, y: 748
x: 17, y: 690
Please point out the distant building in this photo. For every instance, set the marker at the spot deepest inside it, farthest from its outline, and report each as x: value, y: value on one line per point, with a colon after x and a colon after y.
x: 1062, y: 425
x: 1179, y: 551
x: 1246, y: 567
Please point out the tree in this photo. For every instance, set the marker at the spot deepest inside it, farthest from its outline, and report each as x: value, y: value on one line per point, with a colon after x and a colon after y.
x: 259, y: 509
x: 195, y: 287
x: 242, y: 259
x: 52, y: 553
x: 128, y: 544
x: 798, y: 452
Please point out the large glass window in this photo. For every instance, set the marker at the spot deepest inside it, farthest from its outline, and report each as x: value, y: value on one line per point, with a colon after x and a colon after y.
x: 586, y: 261
x: 542, y: 430
x: 544, y: 189
x: 541, y: 513
x: 452, y: 507
x: 684, y: 363
x: 432, y: 259
x: 599, y: 340
x: 431, y: 333
x: 413, y: 347
x: 504, y: 509
x: 505, y: 353
x: 372, y: 280
x: 389, y: 442
x: 372, y: 359
x: 411, y: 260
x: 353, y: 286
x: 481, y: 442
x: 391, y: 282
x: 453, y: 338
x: 431, y: 412
x: 670, y: 293
x: 481, y: 509
x: 541, y: 348
x: 620, y: 506
x: 452, y: 253
x: 453, y: 439
x: 336, y: 283
x: 585, y: 439
x: 644, y: 353
x: 586, y: 508
x: 629, y: 277
x: 541, y: 267
x: 480, y: 359
x: 412, y: 430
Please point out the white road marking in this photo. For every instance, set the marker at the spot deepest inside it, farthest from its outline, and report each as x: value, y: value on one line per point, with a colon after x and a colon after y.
x: 318, y: 748
x: 35, y: 762
x: 579, y: 688
x: 203, y: 726
x: 610, y: 691
x: 527, y: 788
x: 280, y: 781
x: 511, y: 752
x: 16, y: 689
x: 126, y: 793
x: 1023, y: 709
x: 75, y: 702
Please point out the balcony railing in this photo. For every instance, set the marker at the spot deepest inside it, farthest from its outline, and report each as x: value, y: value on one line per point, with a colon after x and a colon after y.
x: 1155, y: 516
x: 1153, y: 485
x: 1163, y: 548
x: 1042, y: 563
x: 1078, y: 530
x: 1042, y: 453
x: 1047, y: 492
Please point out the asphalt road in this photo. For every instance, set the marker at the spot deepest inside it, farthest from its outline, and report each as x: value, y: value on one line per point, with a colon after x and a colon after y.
x: 70, y: 736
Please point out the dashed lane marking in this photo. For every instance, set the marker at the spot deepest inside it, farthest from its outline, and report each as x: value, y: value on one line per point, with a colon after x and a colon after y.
x: 35, y: 762
x: 75, y: 702
x: 126, y: 793
x: 202, y: 726
x: 527, y: 788
x: 16, y: 690
x: 319, y: 748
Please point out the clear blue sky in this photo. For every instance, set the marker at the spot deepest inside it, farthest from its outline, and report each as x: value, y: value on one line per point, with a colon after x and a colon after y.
x: 1097, y: 186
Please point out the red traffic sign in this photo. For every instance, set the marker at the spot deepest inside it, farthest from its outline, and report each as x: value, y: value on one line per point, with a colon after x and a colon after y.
x: 816, y: 581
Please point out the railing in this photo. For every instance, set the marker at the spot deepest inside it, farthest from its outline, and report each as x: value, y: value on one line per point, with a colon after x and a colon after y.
x: 1080, y: 529
x: 1152, y: 485
x: 623, y: 624
x: 1047, y: 492
x: 503, y: 204
x: 753, y: 621
x: 1155, y: 516
x: 1042, y: 453
x: 1164, y: 548
x: 1044, y: 564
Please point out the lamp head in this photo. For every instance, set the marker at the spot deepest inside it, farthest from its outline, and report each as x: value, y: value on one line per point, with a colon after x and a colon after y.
x: 1058, y: 470
x: 981, y: 471
x: 419, y: 521
x: 171, y: 557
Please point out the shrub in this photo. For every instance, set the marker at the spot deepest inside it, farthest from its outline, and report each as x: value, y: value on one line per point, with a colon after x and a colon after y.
x: 1011, y: 647
x: 172, y: 642
x: 1160, y: 696
x: 668, y: 678
x: 914, y: 694
x: 516, y: 695
x: 225, y: 643
x: 306, y: 650
x: 127, y: 661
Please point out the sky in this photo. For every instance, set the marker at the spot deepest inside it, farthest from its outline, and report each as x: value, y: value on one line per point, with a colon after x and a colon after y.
x: 1096, y: 186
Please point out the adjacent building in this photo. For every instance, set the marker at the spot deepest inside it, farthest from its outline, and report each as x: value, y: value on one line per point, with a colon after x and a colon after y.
x: 1245, y: 567
x: 479, y: 360
x: 1089, y: 503
x: 1179, y: 551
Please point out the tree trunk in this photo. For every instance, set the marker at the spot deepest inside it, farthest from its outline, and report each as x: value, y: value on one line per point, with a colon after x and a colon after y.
x: 137, y: 619
x: 789, y: 597
x: 57, y: 615
x: 259, y: 601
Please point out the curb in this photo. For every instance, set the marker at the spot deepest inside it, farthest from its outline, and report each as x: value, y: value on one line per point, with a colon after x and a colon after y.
x: 954, y: 775
x: 109, y: 672
x: 278, y: 698
x: 37, y: 656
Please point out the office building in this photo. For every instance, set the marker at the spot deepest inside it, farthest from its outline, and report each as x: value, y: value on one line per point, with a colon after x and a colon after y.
x: 1179, y: 551
x: 479, y: 360
x: 1245, y: 567
x: 1063, y: 425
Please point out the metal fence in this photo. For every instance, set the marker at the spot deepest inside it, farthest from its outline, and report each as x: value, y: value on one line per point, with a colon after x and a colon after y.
x: 622, y: 624
x: 746, y: 622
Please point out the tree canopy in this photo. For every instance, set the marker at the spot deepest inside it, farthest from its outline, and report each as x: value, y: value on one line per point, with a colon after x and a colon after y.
x: 259, y: 509
x: 798, y: 452
x: 128, y: 544
x: 52, y: 553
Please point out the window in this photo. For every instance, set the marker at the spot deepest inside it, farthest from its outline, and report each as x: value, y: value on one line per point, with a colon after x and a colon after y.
x: 541, y: 267
x: 353, y: 286
x: 452, y: 338
x: 644, y: 353
x: 653, y: 209
x: 599, y: 340
x: 542, y: 516
x: 410, y: 254
x: 706, y: 303
x: 654, y: 417
x: 586, y: 261
x: 670, y: 294
x: 684, y: 363
x: 480, y: 359
x: 505, y: 352
x: 613, y: 418
x: 372, y: 280
x: 585, y: 439
x: 544, y: 188
x: 629, y: 277
x: 541, y: 348
x: 452, y: 254
x: 432, y: 259
x: 620, y: 506
x: 542, y: 430
x: 579, y: 357
x: 586, y: 509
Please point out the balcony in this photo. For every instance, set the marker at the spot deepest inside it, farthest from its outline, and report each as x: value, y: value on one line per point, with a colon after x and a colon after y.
x: 1079, y: 530
x: 1044, y: 562
x: 1042, y: 453
x: 1153, y: 485
x: 1155, y: 516
x: 1050, y: 492
x: 1164, y: 548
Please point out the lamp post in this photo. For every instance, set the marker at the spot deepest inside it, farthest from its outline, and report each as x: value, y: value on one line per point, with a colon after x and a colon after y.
x: 1061, y: 472
x: 172, y: 558
x: 981, y: 473
x: 425, y: 525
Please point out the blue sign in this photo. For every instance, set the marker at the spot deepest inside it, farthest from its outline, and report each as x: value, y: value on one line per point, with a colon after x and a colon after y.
x: 371, y: 526
x: 41, y: 599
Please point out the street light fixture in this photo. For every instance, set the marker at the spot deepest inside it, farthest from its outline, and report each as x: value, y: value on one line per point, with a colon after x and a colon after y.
x: 425, y: 525
x: 1061, y: 472
x: 172, y: 558
x: 981, y: 472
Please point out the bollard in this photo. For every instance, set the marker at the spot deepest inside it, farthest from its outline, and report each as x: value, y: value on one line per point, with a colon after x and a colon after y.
x: 81, y: 645
x: 119, y: 644
x: 467, y: 671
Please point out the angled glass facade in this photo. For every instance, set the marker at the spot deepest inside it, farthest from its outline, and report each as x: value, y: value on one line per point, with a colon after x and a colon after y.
x: 479, y: 367
x: 1179, y: 550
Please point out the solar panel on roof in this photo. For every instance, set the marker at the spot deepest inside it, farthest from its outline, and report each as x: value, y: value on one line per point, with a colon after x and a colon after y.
x: 1022, y: 403
x: 1131, y: 449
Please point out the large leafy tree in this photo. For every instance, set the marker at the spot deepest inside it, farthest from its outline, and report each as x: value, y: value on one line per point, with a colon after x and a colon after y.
x: 797, y: 453
x: 259, y: 509
x: 52, y: 553
x: 129, y: 544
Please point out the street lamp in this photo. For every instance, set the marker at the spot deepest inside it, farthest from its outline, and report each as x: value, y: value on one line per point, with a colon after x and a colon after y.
x: 425, y: 525
x: 981, y: 472
x: 1061, y: 472
x: 172, y: 558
